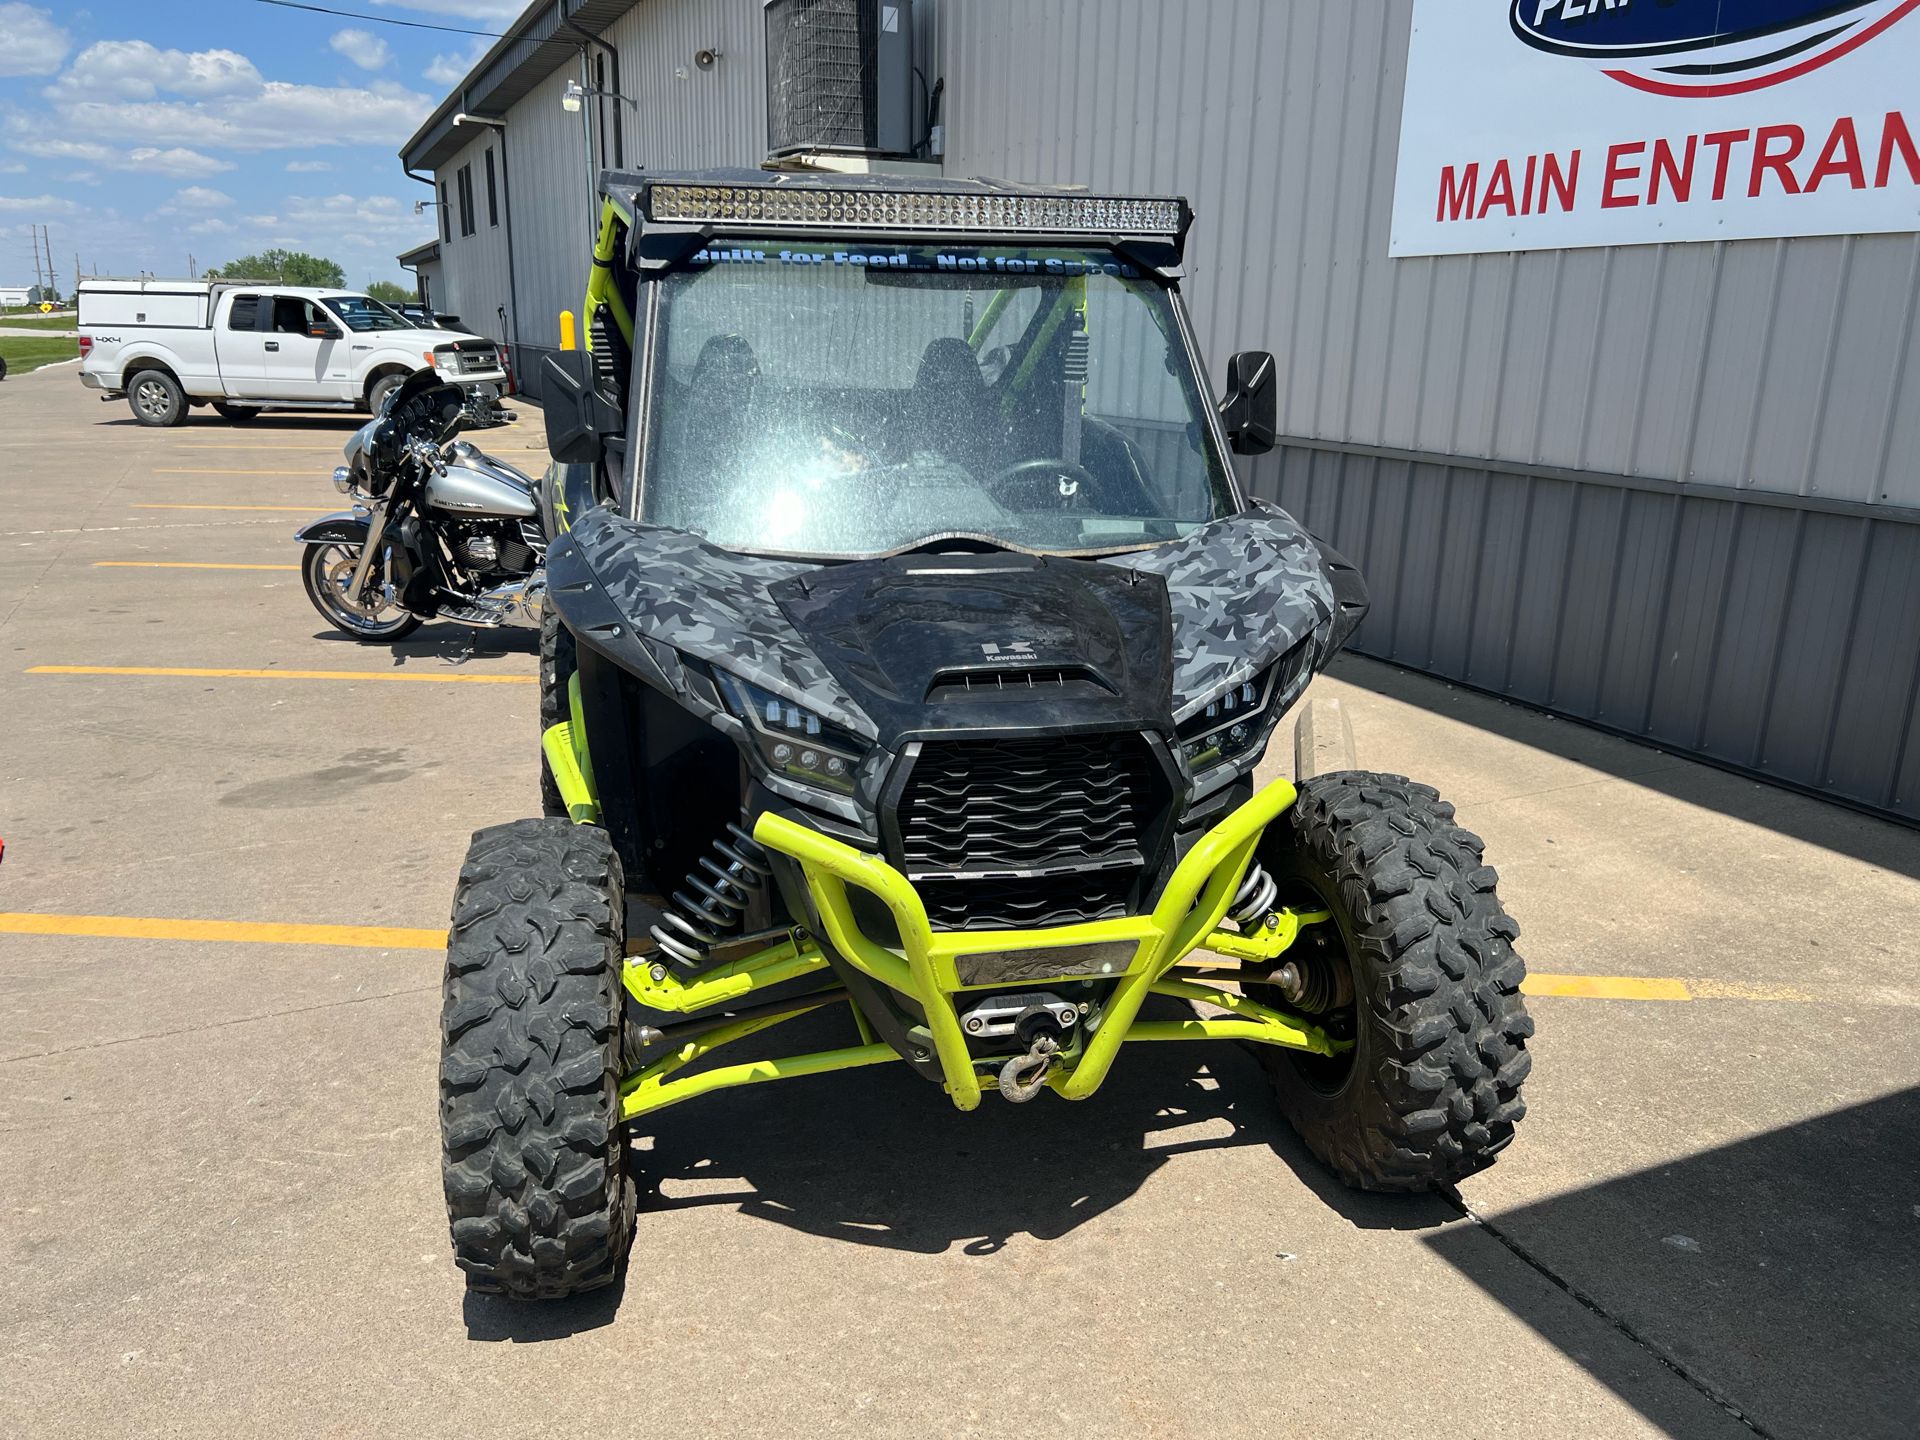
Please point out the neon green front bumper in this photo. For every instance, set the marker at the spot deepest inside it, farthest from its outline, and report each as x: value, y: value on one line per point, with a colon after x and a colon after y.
x: 935, y: 969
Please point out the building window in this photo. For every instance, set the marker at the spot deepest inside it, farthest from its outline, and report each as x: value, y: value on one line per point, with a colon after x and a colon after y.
x: 493, y: 195
x: 446, y: 217
x: 465, y: 182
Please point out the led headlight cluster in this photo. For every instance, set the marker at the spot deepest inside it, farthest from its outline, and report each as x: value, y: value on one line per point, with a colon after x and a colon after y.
x: 772, y: 206
x: 795, y: 742
x: 1232, y: 724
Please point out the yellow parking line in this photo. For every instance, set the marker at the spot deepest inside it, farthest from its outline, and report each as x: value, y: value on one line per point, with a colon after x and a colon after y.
x: 182, y: 565
x: 137, y: 927
x: 1607, y: 987
x: 387, y: 937
x: 198, y: 673
x: 236, y: 472
x: 288, y: 509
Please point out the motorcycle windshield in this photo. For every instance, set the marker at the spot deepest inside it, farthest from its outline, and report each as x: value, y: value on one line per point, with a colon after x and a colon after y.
x: 813, y: 401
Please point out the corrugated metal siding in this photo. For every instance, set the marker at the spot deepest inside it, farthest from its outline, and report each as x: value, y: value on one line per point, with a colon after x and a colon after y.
x: 472, y: 279
x: 1779, y: 365
x: 712, y: 117
x: 1780, y: 641
x: 1772, y: 638
x: 552, y: 218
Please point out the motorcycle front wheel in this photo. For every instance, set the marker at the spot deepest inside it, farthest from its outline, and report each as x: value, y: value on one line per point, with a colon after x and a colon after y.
x: 326, y: 570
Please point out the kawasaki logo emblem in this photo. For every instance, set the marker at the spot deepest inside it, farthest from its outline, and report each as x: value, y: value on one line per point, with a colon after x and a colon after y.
x: 1012, y: 650
x: 1704, y: 47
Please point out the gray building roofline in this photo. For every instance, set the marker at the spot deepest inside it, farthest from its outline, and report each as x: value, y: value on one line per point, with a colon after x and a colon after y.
x: 534, y: 46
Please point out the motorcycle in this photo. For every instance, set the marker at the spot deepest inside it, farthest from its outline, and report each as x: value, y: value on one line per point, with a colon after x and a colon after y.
x: 438, y: 529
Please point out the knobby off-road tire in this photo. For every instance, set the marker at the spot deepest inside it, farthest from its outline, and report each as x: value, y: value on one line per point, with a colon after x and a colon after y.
x: 1431, y: 1092
x: 558, y: 660
x: 538, y: 1198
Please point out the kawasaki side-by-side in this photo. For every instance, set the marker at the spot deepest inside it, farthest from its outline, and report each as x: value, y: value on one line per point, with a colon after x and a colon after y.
x: 910, y: 649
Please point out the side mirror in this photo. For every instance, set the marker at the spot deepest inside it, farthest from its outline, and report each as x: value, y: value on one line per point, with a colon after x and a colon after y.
x: 580, y: 416
x: 323, y: 332
x: 1251, y: 408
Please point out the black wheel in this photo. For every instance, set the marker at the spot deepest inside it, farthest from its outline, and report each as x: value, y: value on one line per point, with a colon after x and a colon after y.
x: 325, y: 570
x: 156, y: 398
x: 558, y: 660
x: 538, y: 1198
x: 3, y: 367
x: 382, y: 388
x: 1416, y: 967
x: 239, y: 414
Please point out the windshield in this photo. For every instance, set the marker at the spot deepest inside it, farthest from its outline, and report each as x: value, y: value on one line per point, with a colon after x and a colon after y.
x: 363, y: 312
x: 821, y: 402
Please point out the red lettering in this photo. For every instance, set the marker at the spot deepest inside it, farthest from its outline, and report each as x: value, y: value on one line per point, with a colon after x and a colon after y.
x: 1526, y: 186
x: 1764, y: 158
x: 1499, y: 190
x: 1456, y: 195
x: 1895, y: 134
x: 1617, y: 171
x: 1839, y: 156
x: 1678, y: 174
x: 1562, y: 185
x: 1723, y: 141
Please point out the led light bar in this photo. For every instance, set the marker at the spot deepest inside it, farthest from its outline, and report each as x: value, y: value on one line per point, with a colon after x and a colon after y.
x: 773, y: 206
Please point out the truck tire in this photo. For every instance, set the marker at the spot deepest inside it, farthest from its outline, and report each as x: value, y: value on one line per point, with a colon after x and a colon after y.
x: 239, y: 414
x: 538, y: 1199
x: 1430, y: 1092
x: 380, y: 389
x: 558, y: 660
x: 156, y: 398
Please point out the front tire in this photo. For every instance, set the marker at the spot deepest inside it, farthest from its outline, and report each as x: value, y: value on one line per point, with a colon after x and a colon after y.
x: 538, y: 1200
x: 156, y: 398
x: 325, y: 570
x: 380, y: 389
x: 1430, y: 1091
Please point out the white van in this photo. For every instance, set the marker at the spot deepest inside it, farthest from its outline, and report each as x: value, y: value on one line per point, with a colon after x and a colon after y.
x: 168, y: 345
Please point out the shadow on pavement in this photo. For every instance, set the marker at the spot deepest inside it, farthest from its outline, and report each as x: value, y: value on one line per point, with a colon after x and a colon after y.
x: 1829, y: 825
x: 880, y: 1157
x: 1781, y: 1273
x: 326, y: 422
x: 446, y: 642
x: 529, y: 1322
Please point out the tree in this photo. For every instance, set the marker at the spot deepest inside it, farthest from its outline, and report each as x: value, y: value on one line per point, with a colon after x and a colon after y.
x: 286, y: 267
x: 389, y: 292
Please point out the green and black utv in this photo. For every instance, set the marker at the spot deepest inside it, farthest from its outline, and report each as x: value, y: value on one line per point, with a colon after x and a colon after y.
x: 910, y: 648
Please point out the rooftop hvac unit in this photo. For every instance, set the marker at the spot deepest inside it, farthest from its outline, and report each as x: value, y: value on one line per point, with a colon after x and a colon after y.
x: 840, y: 77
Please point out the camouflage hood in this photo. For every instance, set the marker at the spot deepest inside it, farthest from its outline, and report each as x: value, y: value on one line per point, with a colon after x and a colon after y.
x: 874, y: 645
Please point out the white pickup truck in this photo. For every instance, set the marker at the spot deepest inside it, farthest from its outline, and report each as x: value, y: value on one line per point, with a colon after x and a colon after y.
x: 242, y: 347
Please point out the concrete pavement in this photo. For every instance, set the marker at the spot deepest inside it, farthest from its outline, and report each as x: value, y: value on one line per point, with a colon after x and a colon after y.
x: 221, y: 1209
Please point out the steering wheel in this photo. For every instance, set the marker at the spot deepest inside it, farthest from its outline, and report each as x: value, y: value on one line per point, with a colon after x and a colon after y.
x: 1022, y: 484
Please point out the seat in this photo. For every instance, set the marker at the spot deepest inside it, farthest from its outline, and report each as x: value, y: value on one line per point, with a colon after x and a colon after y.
x: 951, y: 412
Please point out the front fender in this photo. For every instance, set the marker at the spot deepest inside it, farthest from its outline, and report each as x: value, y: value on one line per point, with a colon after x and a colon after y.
x: 349, y: 526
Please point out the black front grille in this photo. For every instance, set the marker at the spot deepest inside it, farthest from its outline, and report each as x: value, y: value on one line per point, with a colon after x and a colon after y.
x: 1051, y: 831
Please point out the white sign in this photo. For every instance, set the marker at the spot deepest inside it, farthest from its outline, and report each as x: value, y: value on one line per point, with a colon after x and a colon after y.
x: 1550, y: 124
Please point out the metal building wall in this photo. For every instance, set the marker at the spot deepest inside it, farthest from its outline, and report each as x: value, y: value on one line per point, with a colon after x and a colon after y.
x: 711, y: 117
x: 472, y: 281
x: 552, y: 220
x: 1667, y: 489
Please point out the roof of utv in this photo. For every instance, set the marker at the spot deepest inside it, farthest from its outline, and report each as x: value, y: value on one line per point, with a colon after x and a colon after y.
x: 674, y: 212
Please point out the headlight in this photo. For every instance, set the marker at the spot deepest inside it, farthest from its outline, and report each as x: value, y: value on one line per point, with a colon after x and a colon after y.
x: 794, y: 742
x: 342, y: 479
x: 1234, y: 723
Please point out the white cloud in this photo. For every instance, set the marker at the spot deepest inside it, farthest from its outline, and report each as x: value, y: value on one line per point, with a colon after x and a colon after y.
x: 199, y: 197
x: 175, y: 163
x: 40, y: 205
x: 479, y: 12
x: 12, y: 167
x: 212, y: 225
x: 307, y: 167
x: 448, y: 70
x: 363, y: 48
x: 34, y: 44
x: 277, y: 116
x: 135, y: 70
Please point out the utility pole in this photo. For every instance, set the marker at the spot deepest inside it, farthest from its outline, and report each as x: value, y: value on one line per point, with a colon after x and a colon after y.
x: 33, y: 240
x: 193, y: 272
x: 53, y: 276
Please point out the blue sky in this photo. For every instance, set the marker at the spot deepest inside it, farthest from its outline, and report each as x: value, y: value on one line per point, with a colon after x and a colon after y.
x: 142, y: 133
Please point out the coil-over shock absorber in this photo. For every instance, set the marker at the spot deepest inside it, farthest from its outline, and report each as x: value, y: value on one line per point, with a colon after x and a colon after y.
x: 1314, y: 977
x: 712, y: 905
